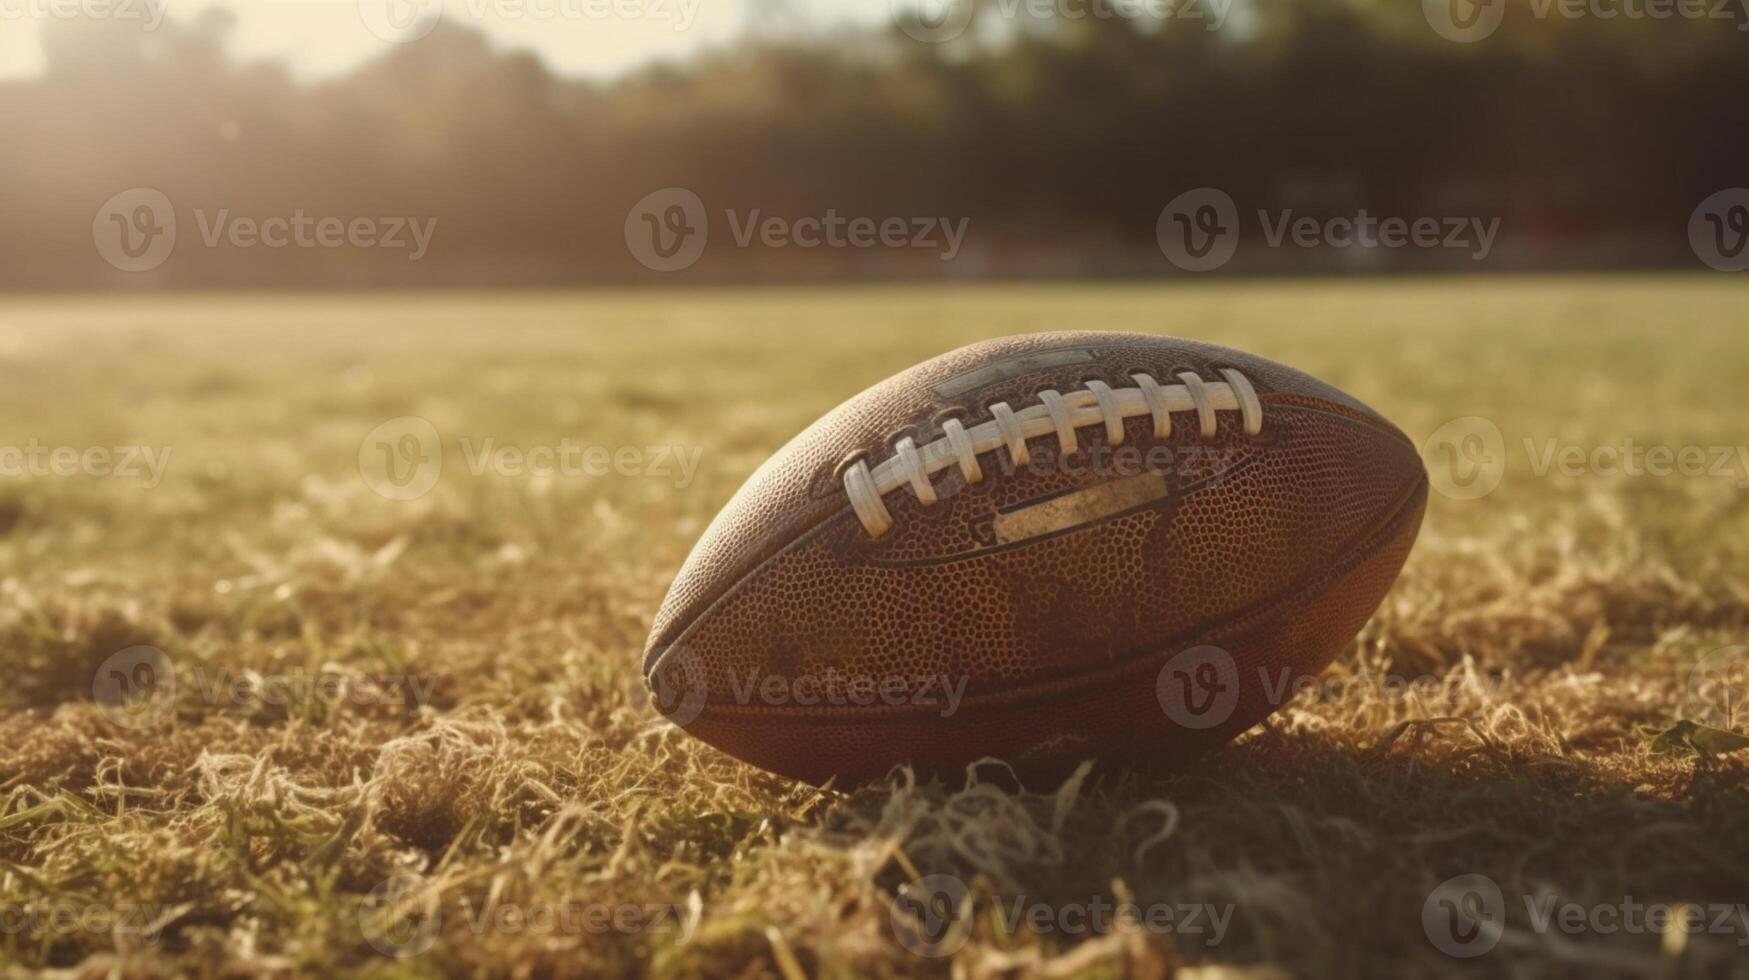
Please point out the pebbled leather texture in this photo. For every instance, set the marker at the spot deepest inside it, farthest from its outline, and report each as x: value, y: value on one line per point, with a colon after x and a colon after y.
x: 1277, y: 547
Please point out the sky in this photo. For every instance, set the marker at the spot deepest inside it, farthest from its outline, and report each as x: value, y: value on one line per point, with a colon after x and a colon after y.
x: 321, y: 38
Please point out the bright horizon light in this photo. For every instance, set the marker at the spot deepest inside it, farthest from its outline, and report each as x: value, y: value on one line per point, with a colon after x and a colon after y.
x: 323, y: 38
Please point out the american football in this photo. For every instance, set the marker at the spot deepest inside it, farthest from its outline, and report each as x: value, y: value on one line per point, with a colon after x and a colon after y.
x: 1038, y: 549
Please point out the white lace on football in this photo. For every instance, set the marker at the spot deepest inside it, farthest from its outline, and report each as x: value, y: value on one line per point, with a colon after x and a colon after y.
x: 1056, y: 414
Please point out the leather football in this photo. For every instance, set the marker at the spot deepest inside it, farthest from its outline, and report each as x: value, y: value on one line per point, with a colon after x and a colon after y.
x: 1039, y: 549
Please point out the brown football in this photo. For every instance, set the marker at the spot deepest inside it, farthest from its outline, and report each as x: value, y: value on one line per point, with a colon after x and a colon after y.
x: 1040, y: 549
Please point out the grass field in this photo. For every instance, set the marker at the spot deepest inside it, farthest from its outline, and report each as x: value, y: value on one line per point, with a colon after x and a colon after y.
x: 405, y: 735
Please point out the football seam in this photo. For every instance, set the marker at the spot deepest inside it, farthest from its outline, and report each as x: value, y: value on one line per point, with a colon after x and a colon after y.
x: 1095, y: 403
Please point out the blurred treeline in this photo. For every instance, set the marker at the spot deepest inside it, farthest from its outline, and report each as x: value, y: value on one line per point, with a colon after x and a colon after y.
x: 1060, y: 141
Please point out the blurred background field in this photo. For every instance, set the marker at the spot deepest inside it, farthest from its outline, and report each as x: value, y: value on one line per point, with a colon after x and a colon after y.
x: 1055, y: 131
x: 1548, y: 622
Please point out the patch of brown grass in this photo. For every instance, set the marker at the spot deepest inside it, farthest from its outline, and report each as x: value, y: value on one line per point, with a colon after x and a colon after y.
x: 407, y: 737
